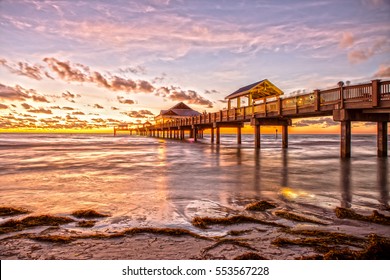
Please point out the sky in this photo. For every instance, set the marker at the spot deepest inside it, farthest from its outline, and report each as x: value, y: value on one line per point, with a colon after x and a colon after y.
x: 68, y: 65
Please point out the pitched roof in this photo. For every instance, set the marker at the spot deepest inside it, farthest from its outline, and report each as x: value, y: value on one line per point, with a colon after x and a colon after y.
x: 180, y: 110
x: 261, y: 89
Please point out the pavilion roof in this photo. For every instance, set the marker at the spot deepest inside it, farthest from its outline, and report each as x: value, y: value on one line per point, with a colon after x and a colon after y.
x: 259, y: 89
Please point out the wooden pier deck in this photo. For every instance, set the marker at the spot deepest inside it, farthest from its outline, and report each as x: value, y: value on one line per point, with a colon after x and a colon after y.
x: 369, y: 102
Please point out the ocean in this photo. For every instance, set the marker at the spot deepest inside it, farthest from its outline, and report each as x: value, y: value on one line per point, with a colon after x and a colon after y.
x: 149, y: 182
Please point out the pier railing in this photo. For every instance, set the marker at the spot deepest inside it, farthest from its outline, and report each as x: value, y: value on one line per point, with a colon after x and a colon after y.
x: 370, y: 95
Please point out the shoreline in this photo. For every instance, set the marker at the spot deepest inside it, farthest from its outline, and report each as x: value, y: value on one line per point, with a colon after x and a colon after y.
x: 284, y: 236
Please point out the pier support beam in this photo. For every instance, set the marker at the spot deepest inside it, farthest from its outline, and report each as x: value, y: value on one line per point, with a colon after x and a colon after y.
x: 382, y: 139
x: 218, y: 136
x: 195, y: 134
x: 239, y: 135
x: 285, y: 136
x: 212, y: 135
x: 257, y: 136
x: 345, y: 141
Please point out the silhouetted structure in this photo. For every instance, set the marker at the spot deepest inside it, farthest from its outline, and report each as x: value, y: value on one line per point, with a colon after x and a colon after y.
x: 266, y: 105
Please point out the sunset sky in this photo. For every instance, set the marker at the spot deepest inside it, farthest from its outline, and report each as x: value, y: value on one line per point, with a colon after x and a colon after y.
x: 87, y: 65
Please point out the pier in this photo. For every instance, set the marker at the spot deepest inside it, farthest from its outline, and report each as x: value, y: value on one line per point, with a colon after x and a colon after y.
x: 266, y: 106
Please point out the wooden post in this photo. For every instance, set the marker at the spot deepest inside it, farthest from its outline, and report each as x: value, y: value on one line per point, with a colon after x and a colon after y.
x: 114, y: 131
x: 181, y: 134
x: 212, y: 135
x: 382, y: 139
x: 317, y: 100
x: 195, y: 134
x: 376, y: 92
x: 285, y: 136
x: 257, y: 136
x: 218, y: 136
x: 345, y: 144
x: 341, y: 95
x: 239, y: 135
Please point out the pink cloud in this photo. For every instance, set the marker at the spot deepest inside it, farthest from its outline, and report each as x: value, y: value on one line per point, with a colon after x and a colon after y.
x: 383, y: 71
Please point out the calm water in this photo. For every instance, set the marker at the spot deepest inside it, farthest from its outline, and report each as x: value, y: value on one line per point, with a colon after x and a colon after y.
x: 154, y: 182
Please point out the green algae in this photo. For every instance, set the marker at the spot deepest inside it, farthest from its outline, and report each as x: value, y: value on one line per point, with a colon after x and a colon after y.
x: 295, y: 217
x: 375, y: 217
x: 250, y: 256
x: 88, y: 214
x: 11, y: 211
x: 262, y: 205
x: 86, y: 224
x: 33, y: 221
x: 203, y: 222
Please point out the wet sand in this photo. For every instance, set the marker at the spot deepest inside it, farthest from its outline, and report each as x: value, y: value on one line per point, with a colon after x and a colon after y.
x: 262, y: 234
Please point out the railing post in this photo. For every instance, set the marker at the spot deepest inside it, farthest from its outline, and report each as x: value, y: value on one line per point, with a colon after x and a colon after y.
x: 341, y: 84
x: 376, y: 93
x: 279, y: 104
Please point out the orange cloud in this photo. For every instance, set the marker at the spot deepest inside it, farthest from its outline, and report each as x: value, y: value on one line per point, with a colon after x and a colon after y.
x: 40, y: 111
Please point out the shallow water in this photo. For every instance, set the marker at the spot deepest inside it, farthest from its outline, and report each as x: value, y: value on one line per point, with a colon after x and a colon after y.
x: 155, y: 182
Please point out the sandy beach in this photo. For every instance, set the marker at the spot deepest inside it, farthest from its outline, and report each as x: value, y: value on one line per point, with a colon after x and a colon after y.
x: 283, y: 235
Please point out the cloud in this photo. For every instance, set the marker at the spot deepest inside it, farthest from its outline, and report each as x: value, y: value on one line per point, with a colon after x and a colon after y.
x: 177, y: 94
x: 323, y: 122
x: 39, y: 98
x: 76, y: 72
x: 97, y: 106
x: 213, y: 91
x: 138, y: 114
x: 383, y: 71
x: 114, y: 108
x: 380, y: 46
x: 26, y: 106
x: 122, y: 100
x: 40, y: 111
x: 65, y: 71
x: 67, y: 108
x: 2, y: 106
x: 78, y: 113
x: 36, y: 71
x: 347, y: 40
x: 134, y: 70
x: 12, y: 93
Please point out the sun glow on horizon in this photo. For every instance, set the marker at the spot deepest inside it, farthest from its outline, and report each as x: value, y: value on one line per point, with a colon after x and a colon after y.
x: 78, y: 67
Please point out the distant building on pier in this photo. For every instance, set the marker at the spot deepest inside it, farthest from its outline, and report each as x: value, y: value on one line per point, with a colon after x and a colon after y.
x: 178, y: 111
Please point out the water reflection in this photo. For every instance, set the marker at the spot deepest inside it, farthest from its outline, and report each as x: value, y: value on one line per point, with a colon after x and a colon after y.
x: 382, y: 179
x: 345, y: 182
